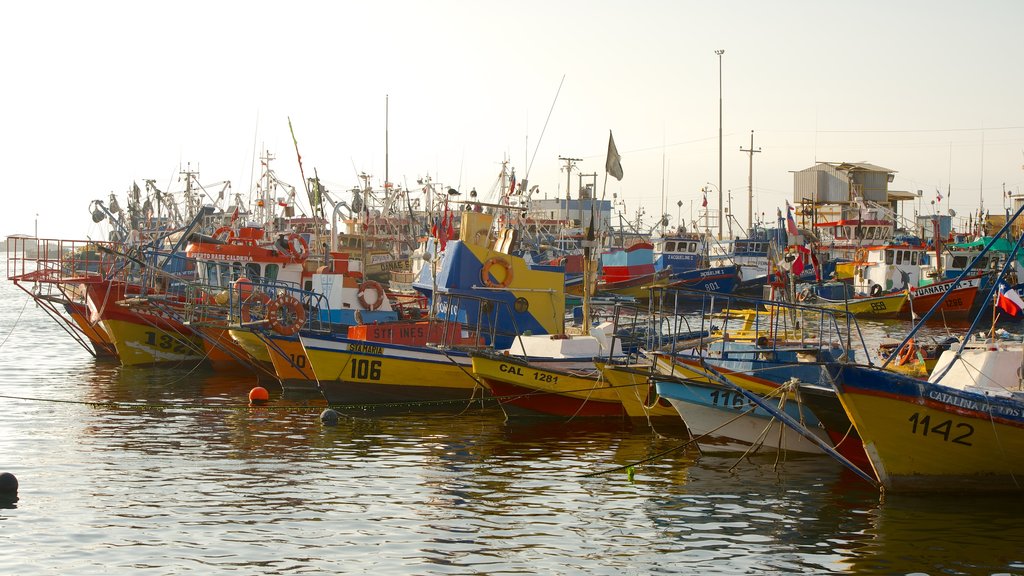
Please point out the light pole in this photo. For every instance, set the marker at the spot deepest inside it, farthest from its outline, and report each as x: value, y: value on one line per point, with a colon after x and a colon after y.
x: 719, y: 52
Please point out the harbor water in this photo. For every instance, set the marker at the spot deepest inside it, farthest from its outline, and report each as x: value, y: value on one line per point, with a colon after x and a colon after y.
x: 160, y: 471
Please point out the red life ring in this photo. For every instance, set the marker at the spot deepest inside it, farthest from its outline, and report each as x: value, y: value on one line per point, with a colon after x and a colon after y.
x: 285, y: 315
x: 297, y: 247
x: 254, y: 303
x: 378, y: 290
x: 227, y: 231
x: 485, y: 273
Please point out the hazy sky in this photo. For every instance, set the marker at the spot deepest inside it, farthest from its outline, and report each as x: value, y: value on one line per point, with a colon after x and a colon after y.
x: 99, y: 94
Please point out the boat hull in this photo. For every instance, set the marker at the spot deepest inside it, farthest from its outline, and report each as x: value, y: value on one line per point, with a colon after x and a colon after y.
x: 355, y: 372
x: 724, y: 420
x: 633, y: 386
x: 958, y: 304
x: 530, y: 390
x: 925, y: 437
x: 885, y: 306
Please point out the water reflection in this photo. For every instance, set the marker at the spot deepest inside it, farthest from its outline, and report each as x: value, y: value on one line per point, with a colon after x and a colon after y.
x: 963, y: 534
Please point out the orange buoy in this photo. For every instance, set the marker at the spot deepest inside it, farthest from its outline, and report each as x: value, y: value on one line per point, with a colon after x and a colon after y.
x: 244, y: 287
x: 259, y: 395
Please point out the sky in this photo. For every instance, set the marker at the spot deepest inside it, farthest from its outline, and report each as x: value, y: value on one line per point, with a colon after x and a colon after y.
x: 98, y: 95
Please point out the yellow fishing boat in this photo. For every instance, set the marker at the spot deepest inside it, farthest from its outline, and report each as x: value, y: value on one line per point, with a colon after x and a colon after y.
x: 962, y: 429
x: 884, y: 306
x: 633, y: 385
x: 526, y: 388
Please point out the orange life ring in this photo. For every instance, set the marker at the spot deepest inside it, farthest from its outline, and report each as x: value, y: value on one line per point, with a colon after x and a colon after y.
x: 255, y: 302
x: 485, y: 273
x: 227, y: 231
x: 299, y: 252
x: 377, y: 288
x: 285, y: 315
x: 906, y: 353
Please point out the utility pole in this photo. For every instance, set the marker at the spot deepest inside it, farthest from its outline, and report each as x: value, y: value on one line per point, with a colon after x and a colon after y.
x: 570, y: 163
x: 719, y: 53
x: 750, y: 183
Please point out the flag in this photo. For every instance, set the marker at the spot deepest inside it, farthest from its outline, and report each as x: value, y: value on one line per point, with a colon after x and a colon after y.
x: 234, y: 215
x: 798, y: 265
x: 790, y: 221
x: 613, y: 164
x: 801, y: 250
x: 1009, y: 302
x: 704, y: 204
x: 512, y: 183
x: 938, y: 196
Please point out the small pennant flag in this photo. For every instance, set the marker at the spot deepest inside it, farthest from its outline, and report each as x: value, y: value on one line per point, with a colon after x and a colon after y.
x: 613, y: 164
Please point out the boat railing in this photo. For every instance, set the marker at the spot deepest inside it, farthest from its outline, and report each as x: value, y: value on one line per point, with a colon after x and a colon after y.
x: 31, y: 259
x: 678, y: 319
x: 257, y: 304
x: 484, y: 322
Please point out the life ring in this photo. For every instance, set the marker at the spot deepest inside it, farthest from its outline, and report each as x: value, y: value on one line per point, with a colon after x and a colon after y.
x: 296, y: 247
x: 906, y: 353
x: 804, y: 295
x: 876, y: 290
x: 227, y: 232
x: 285, y: 315
x: 254, y: 303
x: 861, y: 255
x: 485, y: 273
x: 378, y: 290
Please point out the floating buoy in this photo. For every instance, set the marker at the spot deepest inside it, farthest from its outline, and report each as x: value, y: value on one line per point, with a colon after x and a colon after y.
x: 244, y: 287
x: 329, y: 417
x: 259, y: 395
x: 8, y: 484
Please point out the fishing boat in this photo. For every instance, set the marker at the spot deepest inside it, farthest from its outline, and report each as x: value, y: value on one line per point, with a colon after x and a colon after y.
x: 884, y: 306
x: 686, y: 255
x: 633, y: 383
x: 963, y: 428
x: 628, y: 273
x: 479, y: 293
x: 557, y: 376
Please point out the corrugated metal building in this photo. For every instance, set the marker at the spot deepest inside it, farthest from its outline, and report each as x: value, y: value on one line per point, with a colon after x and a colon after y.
x: 839, y: 182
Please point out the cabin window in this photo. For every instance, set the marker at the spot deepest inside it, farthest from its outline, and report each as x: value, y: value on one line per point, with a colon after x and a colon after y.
x: 889, y: 257
x: 960, y: 262
x: 915, y: 259
x: 899, y: 257
x: 252, y: 270
x: 271, y: 272
x: 693, y: 246
x: 670, y: 246
x: 236, y: 271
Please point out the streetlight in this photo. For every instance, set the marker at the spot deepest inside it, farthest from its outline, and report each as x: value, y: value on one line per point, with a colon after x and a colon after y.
x: 719, y: 52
